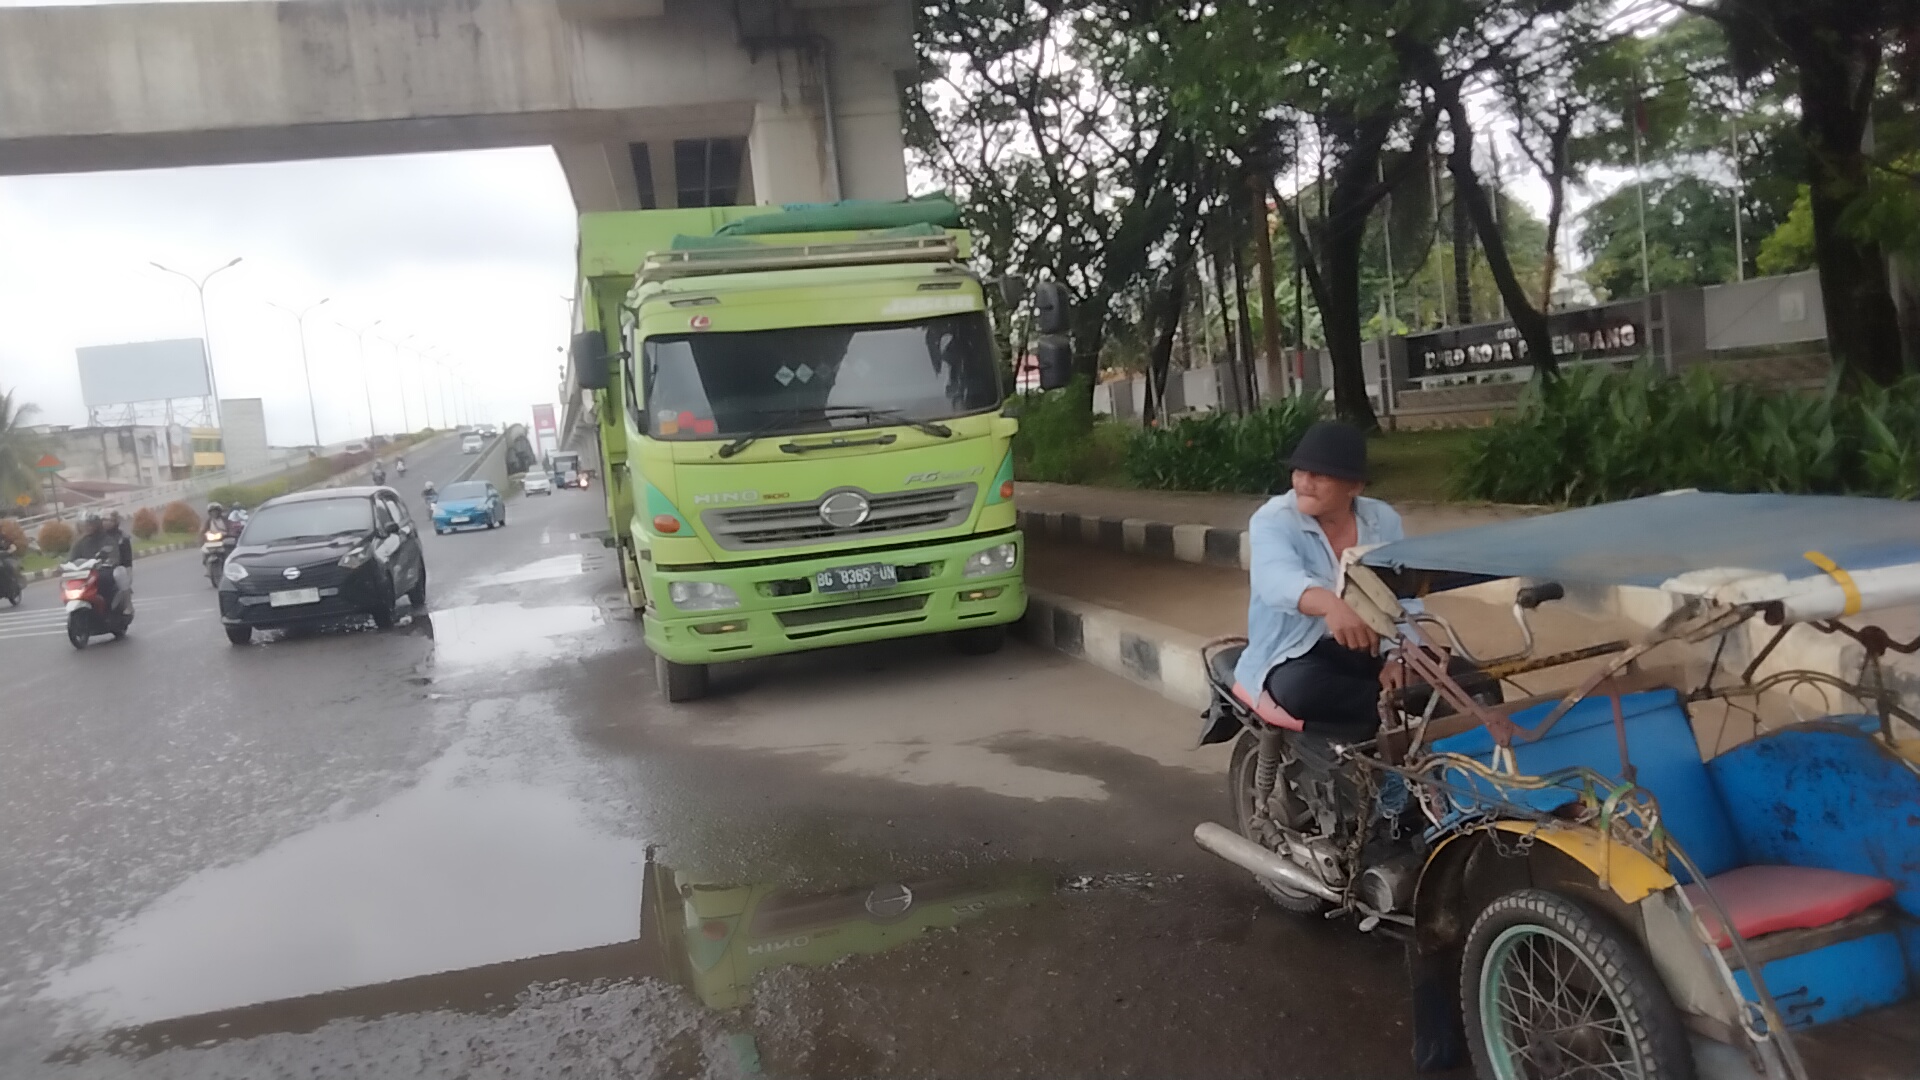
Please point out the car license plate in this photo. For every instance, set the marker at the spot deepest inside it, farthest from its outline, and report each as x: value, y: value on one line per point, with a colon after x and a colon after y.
x: 461, y: 520
x: 857, y: 578
x: 294, y: 597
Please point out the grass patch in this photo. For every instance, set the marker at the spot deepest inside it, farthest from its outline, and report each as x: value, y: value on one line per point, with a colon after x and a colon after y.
x: 1415, y: 465
x: 37, y: 561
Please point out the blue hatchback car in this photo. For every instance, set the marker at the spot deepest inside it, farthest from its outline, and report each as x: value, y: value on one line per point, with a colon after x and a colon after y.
x: 470, y: 504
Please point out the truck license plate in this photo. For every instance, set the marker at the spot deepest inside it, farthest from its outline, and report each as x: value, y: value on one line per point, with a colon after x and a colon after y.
x: 857, y: 578
x: 293, y: 597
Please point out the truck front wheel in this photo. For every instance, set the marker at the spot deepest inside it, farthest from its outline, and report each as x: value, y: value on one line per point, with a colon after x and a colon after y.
x: 980, y: 640
x: 680, y: 682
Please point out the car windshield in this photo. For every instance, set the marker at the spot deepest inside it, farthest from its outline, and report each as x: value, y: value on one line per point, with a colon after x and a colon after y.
x: 707, y: 386
x: 319, y: 519
x: 469, y: 490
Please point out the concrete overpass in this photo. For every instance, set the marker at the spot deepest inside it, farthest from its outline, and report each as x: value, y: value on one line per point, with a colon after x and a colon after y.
x: 648, y: 103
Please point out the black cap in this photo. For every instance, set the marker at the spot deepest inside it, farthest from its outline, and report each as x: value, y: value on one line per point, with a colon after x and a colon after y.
x: 1331, y: 448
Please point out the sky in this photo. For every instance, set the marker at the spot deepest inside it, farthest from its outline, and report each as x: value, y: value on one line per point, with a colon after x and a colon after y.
x: 471, y: 255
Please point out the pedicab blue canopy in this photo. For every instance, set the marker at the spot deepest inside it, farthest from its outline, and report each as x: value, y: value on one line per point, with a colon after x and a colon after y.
x: 1820, y: 556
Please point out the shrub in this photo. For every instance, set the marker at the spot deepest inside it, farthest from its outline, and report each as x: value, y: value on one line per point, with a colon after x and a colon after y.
x: 178, y: 517
x: 56, y: 538
x: 1595, y: 435
x: 146, y: 524
x: 1221, y: 451
x: 13, y: 533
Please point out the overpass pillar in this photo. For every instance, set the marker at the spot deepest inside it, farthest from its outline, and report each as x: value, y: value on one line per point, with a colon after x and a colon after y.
x: 833, y: 131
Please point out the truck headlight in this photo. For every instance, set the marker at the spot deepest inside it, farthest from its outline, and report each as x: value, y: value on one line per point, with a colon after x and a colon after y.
x: 236, y: 570
x: 702, y: 596
x: 998, y: 559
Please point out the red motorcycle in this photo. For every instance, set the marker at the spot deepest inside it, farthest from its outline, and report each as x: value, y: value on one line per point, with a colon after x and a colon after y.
x: 88, y: 613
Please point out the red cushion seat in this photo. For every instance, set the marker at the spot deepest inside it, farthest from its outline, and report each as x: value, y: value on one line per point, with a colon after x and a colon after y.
x: 1268, y: 709
x: 1766, y: 899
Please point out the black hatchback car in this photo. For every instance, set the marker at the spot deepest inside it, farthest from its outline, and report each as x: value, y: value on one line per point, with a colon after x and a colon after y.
x: 323, y: 556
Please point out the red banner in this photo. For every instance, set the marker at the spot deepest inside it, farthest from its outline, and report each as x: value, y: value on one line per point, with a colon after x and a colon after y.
x: 543, y: 418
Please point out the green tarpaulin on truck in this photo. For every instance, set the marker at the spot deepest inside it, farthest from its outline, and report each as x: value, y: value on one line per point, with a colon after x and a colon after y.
x: 852, y: 216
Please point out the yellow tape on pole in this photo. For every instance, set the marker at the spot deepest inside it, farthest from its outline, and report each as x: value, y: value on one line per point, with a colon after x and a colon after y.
x: 1841, y: 578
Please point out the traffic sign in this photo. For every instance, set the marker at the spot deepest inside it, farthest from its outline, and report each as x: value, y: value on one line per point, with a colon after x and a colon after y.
x: 49, y: 464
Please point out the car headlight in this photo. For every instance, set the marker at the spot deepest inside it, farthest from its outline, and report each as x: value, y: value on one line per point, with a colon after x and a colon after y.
x: 998, y: 559
x: 357, y: 558
x: 236, y: 570
x: 702, y: 596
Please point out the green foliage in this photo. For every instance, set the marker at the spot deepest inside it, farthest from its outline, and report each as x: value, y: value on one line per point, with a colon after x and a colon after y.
x: 56, y: 538
x: 1790, y: 249
x: 19, y: 448
x: 1221, y: 451
x: 1597, y: 435
x: 146, y: 524
x: 176, y: 517
x: 250, y: 495
x: 1689, y: 236
x: 1061, y: 443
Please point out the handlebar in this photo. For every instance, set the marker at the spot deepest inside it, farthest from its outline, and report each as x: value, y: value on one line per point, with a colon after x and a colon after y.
x: 1525, y: 600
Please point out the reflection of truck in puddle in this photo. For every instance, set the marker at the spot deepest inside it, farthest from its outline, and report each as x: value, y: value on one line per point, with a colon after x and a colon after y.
x: 717, y: 938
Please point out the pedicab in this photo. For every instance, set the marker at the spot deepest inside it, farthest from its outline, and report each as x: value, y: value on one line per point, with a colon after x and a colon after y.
x: 1711, y: 869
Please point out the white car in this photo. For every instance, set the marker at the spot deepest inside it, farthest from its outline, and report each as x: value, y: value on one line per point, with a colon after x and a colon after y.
x: 471, y: 444
x: 536, y: 483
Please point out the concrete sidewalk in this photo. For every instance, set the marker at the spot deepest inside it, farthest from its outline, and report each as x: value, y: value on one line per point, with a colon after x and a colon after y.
x: 1197, y: 527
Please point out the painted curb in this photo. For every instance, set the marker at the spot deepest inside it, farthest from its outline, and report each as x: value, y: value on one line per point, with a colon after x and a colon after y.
x: 1150, y: 654
x: 1206, y: 545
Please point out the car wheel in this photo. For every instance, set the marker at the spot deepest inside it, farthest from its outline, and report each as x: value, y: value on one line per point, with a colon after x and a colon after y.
x: 240, y: 635
x: 680, y: 682
x: 418, y: 595
x: 384, y: 617
x: 438, y: 531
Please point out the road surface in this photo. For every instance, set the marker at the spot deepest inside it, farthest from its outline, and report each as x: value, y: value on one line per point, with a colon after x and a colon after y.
x: 423, y: 853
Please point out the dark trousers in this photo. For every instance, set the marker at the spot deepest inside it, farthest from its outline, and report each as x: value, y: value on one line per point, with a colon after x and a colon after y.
x: 1333, y: 690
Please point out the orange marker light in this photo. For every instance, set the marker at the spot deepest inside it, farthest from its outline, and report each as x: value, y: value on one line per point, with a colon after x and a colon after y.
x: 1006, y: 490
x: 666, y: 523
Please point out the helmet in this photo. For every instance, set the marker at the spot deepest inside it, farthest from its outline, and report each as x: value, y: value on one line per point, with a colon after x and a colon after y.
x: 113, y: 519
x: 90, y: 519
x: 215, y: 508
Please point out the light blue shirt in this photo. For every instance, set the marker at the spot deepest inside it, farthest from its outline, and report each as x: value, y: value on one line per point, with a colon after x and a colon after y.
x: 1291, y: 554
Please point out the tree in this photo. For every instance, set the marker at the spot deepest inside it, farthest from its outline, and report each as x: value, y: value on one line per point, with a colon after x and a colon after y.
x: 1689, y: 236
x: 1835, y: 55
x: 19, y: 447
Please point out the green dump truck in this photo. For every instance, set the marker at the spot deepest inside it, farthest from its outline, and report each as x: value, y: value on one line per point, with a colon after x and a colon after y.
x: 801, y: 425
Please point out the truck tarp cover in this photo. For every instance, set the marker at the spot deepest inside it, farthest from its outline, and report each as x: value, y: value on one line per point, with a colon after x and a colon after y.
x: 849, y: 217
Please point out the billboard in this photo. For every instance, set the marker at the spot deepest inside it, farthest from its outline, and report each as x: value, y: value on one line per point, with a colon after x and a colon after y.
x: 244, y: 435
x: 142, y: 371
x: 1615, y: 331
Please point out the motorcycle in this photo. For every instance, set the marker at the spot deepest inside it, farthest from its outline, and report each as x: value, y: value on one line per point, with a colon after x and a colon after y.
x: 220, y: 542
x: 11, y: 579
x: 401, y: 466
x: 88, y: 613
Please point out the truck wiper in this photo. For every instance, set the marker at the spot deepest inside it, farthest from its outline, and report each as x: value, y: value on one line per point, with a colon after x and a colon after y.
x: 771, y: 427
x: 931, y: 427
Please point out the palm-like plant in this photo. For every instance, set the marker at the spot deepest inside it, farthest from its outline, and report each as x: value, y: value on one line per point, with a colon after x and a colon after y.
x: 19, y: 448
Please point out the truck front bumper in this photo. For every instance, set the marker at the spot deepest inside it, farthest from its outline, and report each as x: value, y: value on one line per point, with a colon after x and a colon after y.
x: 780, y: 613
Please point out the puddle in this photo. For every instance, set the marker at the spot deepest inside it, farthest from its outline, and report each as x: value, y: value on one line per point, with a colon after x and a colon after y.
x: 449, y: 875
x: 492, y: 635
x: 560, y: 566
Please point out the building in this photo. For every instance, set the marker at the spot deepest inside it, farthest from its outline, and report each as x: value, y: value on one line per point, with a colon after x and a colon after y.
x: 132, y: 454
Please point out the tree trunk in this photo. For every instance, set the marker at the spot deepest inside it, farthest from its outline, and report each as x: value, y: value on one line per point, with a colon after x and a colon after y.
x: 1529, y: 320
x: 1245, y: 316
x: 1863, y: 327
x: 1269, y: 299
x: 1462, y: 261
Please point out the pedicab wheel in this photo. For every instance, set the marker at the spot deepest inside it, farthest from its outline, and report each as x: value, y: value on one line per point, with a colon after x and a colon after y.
x: 77, y: 630
x: 1240, y: 787
x: 1552, y: 990
x: 680, y: 682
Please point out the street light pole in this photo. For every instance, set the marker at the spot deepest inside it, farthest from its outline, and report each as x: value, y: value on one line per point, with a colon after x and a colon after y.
x: 400, y: 375
x: 206, y: 334
x: 366, y: 376
x: 300, y: 317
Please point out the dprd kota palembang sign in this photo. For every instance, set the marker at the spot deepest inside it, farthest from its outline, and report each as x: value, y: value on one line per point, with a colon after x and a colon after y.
x: 1615, y: 331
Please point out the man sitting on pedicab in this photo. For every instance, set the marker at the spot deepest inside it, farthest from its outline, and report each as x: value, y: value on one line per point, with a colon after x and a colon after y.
x: 1311, y: 653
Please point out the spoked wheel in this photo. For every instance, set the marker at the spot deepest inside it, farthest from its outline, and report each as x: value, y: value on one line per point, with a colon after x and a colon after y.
x: 1554, y: 992
x: 1286, y: 808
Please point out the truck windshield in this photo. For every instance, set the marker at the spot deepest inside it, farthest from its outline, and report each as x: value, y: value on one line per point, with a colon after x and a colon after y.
x: 818, y: 378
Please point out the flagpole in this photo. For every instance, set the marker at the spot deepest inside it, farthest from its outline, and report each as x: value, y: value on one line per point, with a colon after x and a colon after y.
x: 1386, y: 233
x: 1739, y: 185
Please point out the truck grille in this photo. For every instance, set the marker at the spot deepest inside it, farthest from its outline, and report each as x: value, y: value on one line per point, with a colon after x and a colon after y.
x: 800, y: 524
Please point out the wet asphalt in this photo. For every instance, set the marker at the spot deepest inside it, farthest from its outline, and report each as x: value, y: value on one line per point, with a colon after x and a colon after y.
x: 480, y: 845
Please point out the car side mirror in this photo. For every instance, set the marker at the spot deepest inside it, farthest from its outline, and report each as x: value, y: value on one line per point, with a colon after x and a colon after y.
x: 1052, y: 308
x: 591, y: 364
x: 1055, y: 354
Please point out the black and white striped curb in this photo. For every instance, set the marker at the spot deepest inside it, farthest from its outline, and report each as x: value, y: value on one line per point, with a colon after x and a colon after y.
x: 1158, y: 657
x: 1205, y: 544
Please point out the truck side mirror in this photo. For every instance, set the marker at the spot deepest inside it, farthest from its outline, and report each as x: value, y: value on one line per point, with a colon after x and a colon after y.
x: 1055, y: 354
x: 1013, y: 290
x: 590, y: 358
x: 1051, y: 308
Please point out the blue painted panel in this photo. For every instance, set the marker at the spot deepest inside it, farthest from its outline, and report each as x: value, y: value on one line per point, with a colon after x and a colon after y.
x: 1825, y: 795
x: 1910, y: 944
x: 1661, y: 744
x: 1836, y: 982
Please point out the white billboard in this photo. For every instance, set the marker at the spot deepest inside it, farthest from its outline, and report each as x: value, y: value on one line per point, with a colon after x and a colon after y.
x: 244, y: 435
x: 142, y: 371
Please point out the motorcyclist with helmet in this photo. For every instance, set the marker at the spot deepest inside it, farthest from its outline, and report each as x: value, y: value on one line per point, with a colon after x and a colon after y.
x: 431, y: 494
x: 400, y: 463
x: 379, y: 472
x: 97, y: 542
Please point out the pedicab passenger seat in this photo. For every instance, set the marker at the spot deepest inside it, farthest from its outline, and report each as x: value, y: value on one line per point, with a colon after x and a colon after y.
x: 1796, y: 832
x: 1220, y: 665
